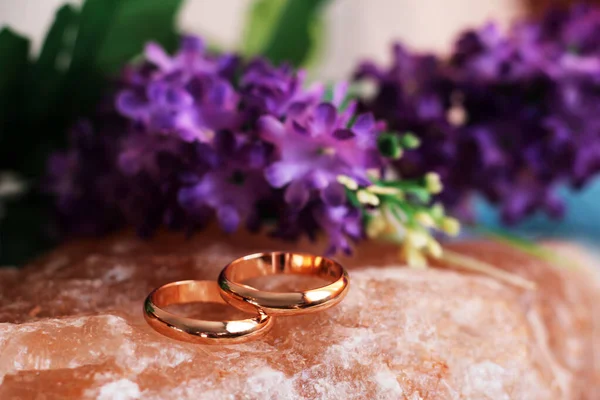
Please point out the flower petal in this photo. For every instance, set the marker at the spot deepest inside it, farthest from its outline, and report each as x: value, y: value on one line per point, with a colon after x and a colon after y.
x: 187, y: 197
x: 163, y: 120
x: 229, y: 218
x: 297, y: 194
x: 270, y: 128
x: 334, y: 194
x: 299, y: 129
x: 325, y: 117
x: 280, y: 174
x: 176, y: 97
x: 364, y: 124
x: 222, y: 95
x: 130, y: 104
x: 157, y: 92
x: 317, y: 179
x: 343, y: 134
x: 157, y: 56
x: 192, y: 44
x: 339, y: 93
x: 296, y: 109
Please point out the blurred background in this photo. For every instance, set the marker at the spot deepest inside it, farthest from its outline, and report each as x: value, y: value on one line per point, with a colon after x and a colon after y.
x: 355, y: 29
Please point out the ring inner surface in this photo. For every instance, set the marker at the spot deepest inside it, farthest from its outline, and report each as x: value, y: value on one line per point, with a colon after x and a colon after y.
x: 275, y: 263
x: 187, y: 292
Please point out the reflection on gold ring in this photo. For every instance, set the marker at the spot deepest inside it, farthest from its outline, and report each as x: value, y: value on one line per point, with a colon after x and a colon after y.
x: 244, y: 297
x: 196, y: 330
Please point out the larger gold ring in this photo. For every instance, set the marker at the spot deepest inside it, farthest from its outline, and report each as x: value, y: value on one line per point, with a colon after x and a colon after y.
x: 246, y: 298
x: 195, y: 330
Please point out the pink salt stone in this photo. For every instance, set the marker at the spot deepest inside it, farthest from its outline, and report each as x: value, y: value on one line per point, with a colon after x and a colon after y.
x: 72, y: 328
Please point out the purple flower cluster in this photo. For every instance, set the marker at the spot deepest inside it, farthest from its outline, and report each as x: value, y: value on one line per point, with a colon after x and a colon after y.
x: 509, y: 116
x: 195, y: 136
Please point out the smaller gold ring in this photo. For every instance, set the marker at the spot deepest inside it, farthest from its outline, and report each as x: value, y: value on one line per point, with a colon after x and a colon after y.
x: 195, y: 330
x: 246, y: 297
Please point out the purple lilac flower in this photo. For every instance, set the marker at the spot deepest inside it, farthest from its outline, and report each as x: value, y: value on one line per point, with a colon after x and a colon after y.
x: 188, y: 94
x: 315, y: 145
x: 193, y: 143
x: 510, y: 116
x: 83, y: 182
x: 273, y: 90
x: 232, y: 186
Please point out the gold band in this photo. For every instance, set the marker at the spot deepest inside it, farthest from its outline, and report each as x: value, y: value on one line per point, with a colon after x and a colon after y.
x: 248, y: 298
x: 200, y: 331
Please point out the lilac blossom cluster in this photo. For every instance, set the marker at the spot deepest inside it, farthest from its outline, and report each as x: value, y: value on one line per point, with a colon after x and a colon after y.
x: 193, y: 137
x: 509, y: 116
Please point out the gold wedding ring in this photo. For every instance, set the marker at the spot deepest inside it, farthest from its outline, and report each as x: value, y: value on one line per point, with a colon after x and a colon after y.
x: 244, y: 297
x: 195, y: 330
x: 233, y: 289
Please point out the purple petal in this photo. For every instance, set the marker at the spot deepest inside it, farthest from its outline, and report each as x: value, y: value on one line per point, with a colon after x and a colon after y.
x: 157, y: 56
x: 296, y: 195
x: 299, y: 129
x: 255, y: 155
x: 176, y: 97
x: 130, y: 104
x: 354, y: 226
x: 369, y: 70
x: 296, y: 109
x: 163, y: 120
x: 229, y: 218
x: 334, y: 195
x: 372, y: 159
x: 192, y: 44
x: 270, y: 128
x: 339, y: 93
x: 317, y: 179
x: 187, y: 197
x: 157, y: 92
x: 196, y: 87
x: 221, y: 95
x: 325, y: 116
x: 364, y: 124
x: 343, y: 134
x: 279, y: 174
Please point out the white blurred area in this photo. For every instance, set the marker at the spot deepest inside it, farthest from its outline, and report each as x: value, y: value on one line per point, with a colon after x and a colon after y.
x: 356, y: 29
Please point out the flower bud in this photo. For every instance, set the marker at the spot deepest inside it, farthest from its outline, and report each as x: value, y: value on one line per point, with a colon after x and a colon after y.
x: 433, y: 183
x: 348, y: 182
x: 451, y: 226
x: 367, y: 198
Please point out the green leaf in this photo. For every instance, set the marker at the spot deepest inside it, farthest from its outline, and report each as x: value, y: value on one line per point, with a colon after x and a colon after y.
x: 39, y: 104
x: 292, y: 37
x: 112, y: 32
x: 527, y: 246
x: 409, y: 141
x: 389, y: 145
x: 59, y: 39
x: 14, y: 52
x: 23, y: 232
x: 261, y: 19
x: 137, y: 22
x: 49, y: 69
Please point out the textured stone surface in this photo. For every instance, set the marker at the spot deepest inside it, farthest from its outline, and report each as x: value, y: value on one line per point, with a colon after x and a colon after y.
x: 72, y: 327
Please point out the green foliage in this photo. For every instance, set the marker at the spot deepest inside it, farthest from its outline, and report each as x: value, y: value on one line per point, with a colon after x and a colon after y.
x: 389, y: 145
x: 13, y: 68
x: 284, y: 30
x: 40, y: 99
x: 261, y: 20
